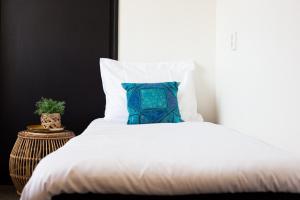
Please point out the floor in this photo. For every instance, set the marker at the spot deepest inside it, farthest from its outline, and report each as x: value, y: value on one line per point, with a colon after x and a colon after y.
x: 8, y: 192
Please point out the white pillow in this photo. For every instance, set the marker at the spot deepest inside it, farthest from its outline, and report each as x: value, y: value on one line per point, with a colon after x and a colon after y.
x: 114, y: 73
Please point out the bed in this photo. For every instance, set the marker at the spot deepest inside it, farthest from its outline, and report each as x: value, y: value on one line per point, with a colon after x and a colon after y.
x: 187, y: 160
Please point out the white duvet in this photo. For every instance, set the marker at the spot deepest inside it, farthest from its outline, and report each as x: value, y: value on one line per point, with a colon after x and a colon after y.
x: 165, y: 159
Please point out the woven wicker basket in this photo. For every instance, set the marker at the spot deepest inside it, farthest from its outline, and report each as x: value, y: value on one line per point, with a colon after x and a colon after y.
x: 29, y: 149
x: 51, y: 120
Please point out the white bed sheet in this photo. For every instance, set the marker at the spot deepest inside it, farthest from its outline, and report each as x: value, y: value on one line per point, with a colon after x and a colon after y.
x: 165, y: 159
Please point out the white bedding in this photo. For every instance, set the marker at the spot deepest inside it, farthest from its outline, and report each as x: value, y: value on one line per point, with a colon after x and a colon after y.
x: 168, y: 159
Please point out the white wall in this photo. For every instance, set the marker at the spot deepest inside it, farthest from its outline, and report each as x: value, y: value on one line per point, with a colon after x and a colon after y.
x: 171, y: 30
x: 258, y: 85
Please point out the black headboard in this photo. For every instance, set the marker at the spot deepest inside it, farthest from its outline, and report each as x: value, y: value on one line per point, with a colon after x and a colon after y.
x: 51, y: 48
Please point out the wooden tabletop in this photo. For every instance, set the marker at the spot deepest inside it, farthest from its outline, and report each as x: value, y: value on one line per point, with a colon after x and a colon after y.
x: 54, y: 135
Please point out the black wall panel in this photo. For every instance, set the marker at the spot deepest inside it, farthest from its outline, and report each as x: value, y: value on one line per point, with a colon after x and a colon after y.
x: 51, y: 48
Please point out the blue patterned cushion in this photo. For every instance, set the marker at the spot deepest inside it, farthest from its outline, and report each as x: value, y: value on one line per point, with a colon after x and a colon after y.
x: 152, y: 102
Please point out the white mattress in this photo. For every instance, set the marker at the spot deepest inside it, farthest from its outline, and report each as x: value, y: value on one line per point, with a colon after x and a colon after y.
x: 165, y: 159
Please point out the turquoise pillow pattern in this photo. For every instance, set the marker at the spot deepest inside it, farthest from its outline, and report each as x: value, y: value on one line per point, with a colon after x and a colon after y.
x: 152, y: 102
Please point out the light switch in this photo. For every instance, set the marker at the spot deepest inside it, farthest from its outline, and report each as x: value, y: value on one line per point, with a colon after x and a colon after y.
x: 233, y: 41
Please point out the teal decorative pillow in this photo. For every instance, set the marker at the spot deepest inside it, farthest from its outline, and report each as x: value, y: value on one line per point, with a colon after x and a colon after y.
x: 152, y: 102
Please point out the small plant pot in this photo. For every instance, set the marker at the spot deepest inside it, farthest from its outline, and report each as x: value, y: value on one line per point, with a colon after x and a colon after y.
x: 51, y: 120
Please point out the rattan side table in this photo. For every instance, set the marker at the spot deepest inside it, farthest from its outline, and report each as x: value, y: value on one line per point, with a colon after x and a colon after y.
x: 29, y: 149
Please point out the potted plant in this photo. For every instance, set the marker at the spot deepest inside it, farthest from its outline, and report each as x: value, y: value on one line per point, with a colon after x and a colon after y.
x: 50, y: 111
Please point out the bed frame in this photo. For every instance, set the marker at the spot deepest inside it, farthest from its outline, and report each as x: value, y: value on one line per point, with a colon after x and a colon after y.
x: 223, y: 196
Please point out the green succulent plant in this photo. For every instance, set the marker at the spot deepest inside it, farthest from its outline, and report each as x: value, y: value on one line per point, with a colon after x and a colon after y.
x: 45, y: 105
